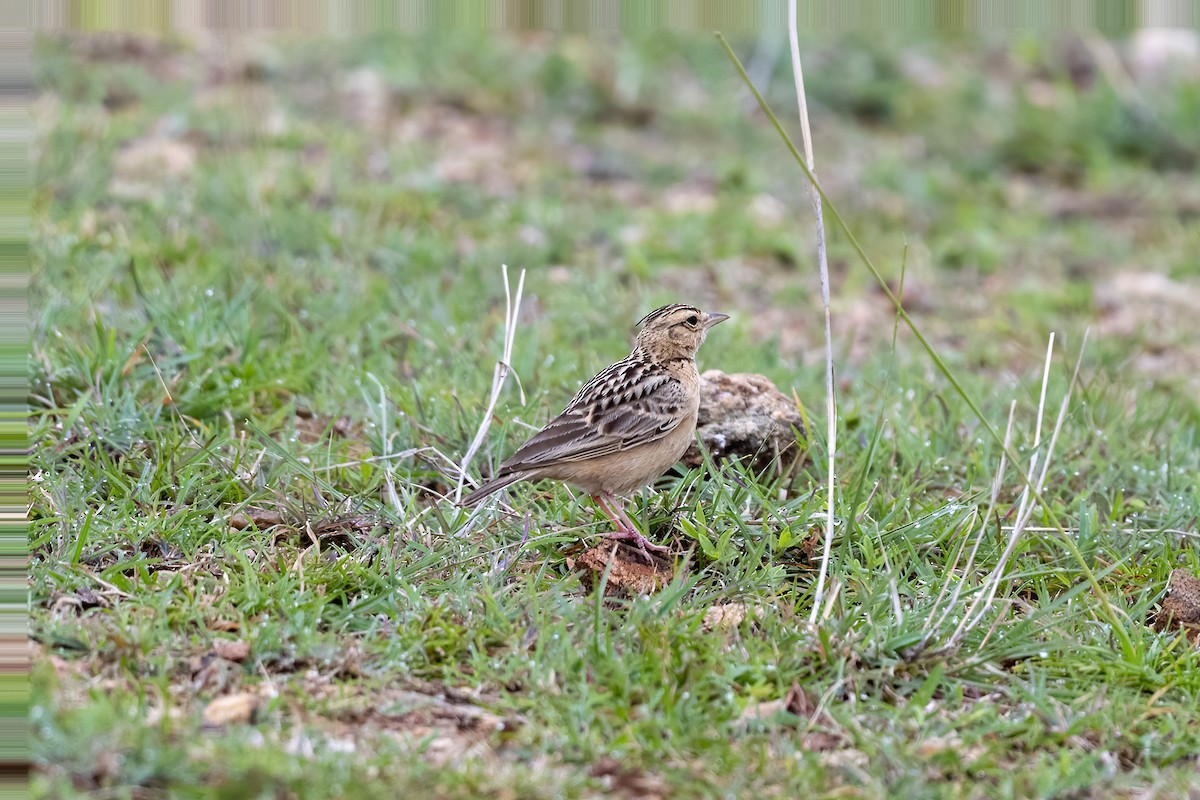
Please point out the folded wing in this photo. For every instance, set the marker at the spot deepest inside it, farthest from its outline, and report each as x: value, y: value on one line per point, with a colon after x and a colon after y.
x: 629, y: 404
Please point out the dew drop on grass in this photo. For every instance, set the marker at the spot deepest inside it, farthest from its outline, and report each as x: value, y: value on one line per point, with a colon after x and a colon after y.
x: 209, y: 292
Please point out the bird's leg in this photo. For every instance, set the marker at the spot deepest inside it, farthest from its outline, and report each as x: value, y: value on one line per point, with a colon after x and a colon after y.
x: 626, y: 530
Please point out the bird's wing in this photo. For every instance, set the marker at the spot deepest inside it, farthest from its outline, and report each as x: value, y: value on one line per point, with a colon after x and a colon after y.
x: 633, y: 402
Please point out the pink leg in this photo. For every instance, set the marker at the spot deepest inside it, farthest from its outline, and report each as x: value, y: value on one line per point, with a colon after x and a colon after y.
x: 626, y: 530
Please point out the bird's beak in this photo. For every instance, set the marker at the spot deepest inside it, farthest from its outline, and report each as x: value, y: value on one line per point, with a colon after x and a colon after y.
x: 713, y: 318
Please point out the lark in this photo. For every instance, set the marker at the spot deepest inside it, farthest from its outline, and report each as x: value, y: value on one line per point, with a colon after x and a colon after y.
x: 626, y: 426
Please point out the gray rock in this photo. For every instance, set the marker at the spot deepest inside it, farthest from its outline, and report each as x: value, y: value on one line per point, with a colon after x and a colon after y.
x: 743, y: 415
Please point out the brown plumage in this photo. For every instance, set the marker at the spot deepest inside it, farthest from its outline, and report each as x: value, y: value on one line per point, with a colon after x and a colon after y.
x: 627, y: 425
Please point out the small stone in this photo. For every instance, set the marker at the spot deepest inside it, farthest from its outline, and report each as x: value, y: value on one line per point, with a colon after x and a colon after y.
x: 232, y: 649
x: 232, y: 709
x: 727, y: 615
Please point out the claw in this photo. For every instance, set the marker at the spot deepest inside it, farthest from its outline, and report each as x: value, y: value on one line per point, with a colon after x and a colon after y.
x: 626, y: 531
x: 641, y: 542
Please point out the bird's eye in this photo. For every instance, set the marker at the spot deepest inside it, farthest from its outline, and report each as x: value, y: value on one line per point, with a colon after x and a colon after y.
x: 692, y: 320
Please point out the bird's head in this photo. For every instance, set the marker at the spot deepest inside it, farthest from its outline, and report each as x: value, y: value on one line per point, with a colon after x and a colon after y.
x: 676, y: 331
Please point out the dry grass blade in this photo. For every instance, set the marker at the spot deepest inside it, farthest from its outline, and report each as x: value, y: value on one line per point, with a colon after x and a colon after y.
x: 823, y: 264
x: 1030, y: 498
x: 388, y: 480
x: 512, y: 307
x: 997, y: 482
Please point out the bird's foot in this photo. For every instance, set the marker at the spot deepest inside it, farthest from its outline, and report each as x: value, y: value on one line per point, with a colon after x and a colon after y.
x: 641, y: 542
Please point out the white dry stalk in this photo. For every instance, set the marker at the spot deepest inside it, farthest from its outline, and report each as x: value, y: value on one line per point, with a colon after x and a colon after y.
x: 823, y: 263
x: 373, y: 459
x: 1037, y: 433
x: 997, y: 482
x: 1126, y: 531
x: 388, y: 480
x: 1026, y: 508
x: 975, y: 614
x: 897, y: 607
x: 512, y: 306
x: 834, y: 591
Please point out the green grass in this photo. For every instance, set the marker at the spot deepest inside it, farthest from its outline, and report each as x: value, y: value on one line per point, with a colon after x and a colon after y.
x: 195, y: 347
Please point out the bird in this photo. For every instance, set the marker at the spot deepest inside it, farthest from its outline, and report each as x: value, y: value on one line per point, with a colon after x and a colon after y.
x: 626, y: 426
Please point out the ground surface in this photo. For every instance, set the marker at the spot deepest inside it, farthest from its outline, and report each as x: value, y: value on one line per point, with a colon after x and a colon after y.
x: 269, y: 301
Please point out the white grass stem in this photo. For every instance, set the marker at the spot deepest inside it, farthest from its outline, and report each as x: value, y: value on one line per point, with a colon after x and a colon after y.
x: 1126, y: 531
x: 997, y: 482
x: 1026, y: 508
x: 834, y: 591
x: 374, y: 459
x: 512, y: 307
x: 1037, y: 433
x: 823, y: 263
x: 388, y: 482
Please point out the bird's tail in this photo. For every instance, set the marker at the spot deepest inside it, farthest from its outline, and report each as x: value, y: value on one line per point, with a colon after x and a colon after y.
x: 491, y: 487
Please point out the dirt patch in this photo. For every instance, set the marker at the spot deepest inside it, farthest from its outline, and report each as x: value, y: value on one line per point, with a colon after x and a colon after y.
x: 1161, y: 313
x: 1181, y: 607
x: 313, y: 428
x: 471, y: 148
x: 448, y: 725
x: 345, y: 528
x: 798, y: 707
x: 145, y: 167
x: 630, y: 572
x: 626, y: 781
